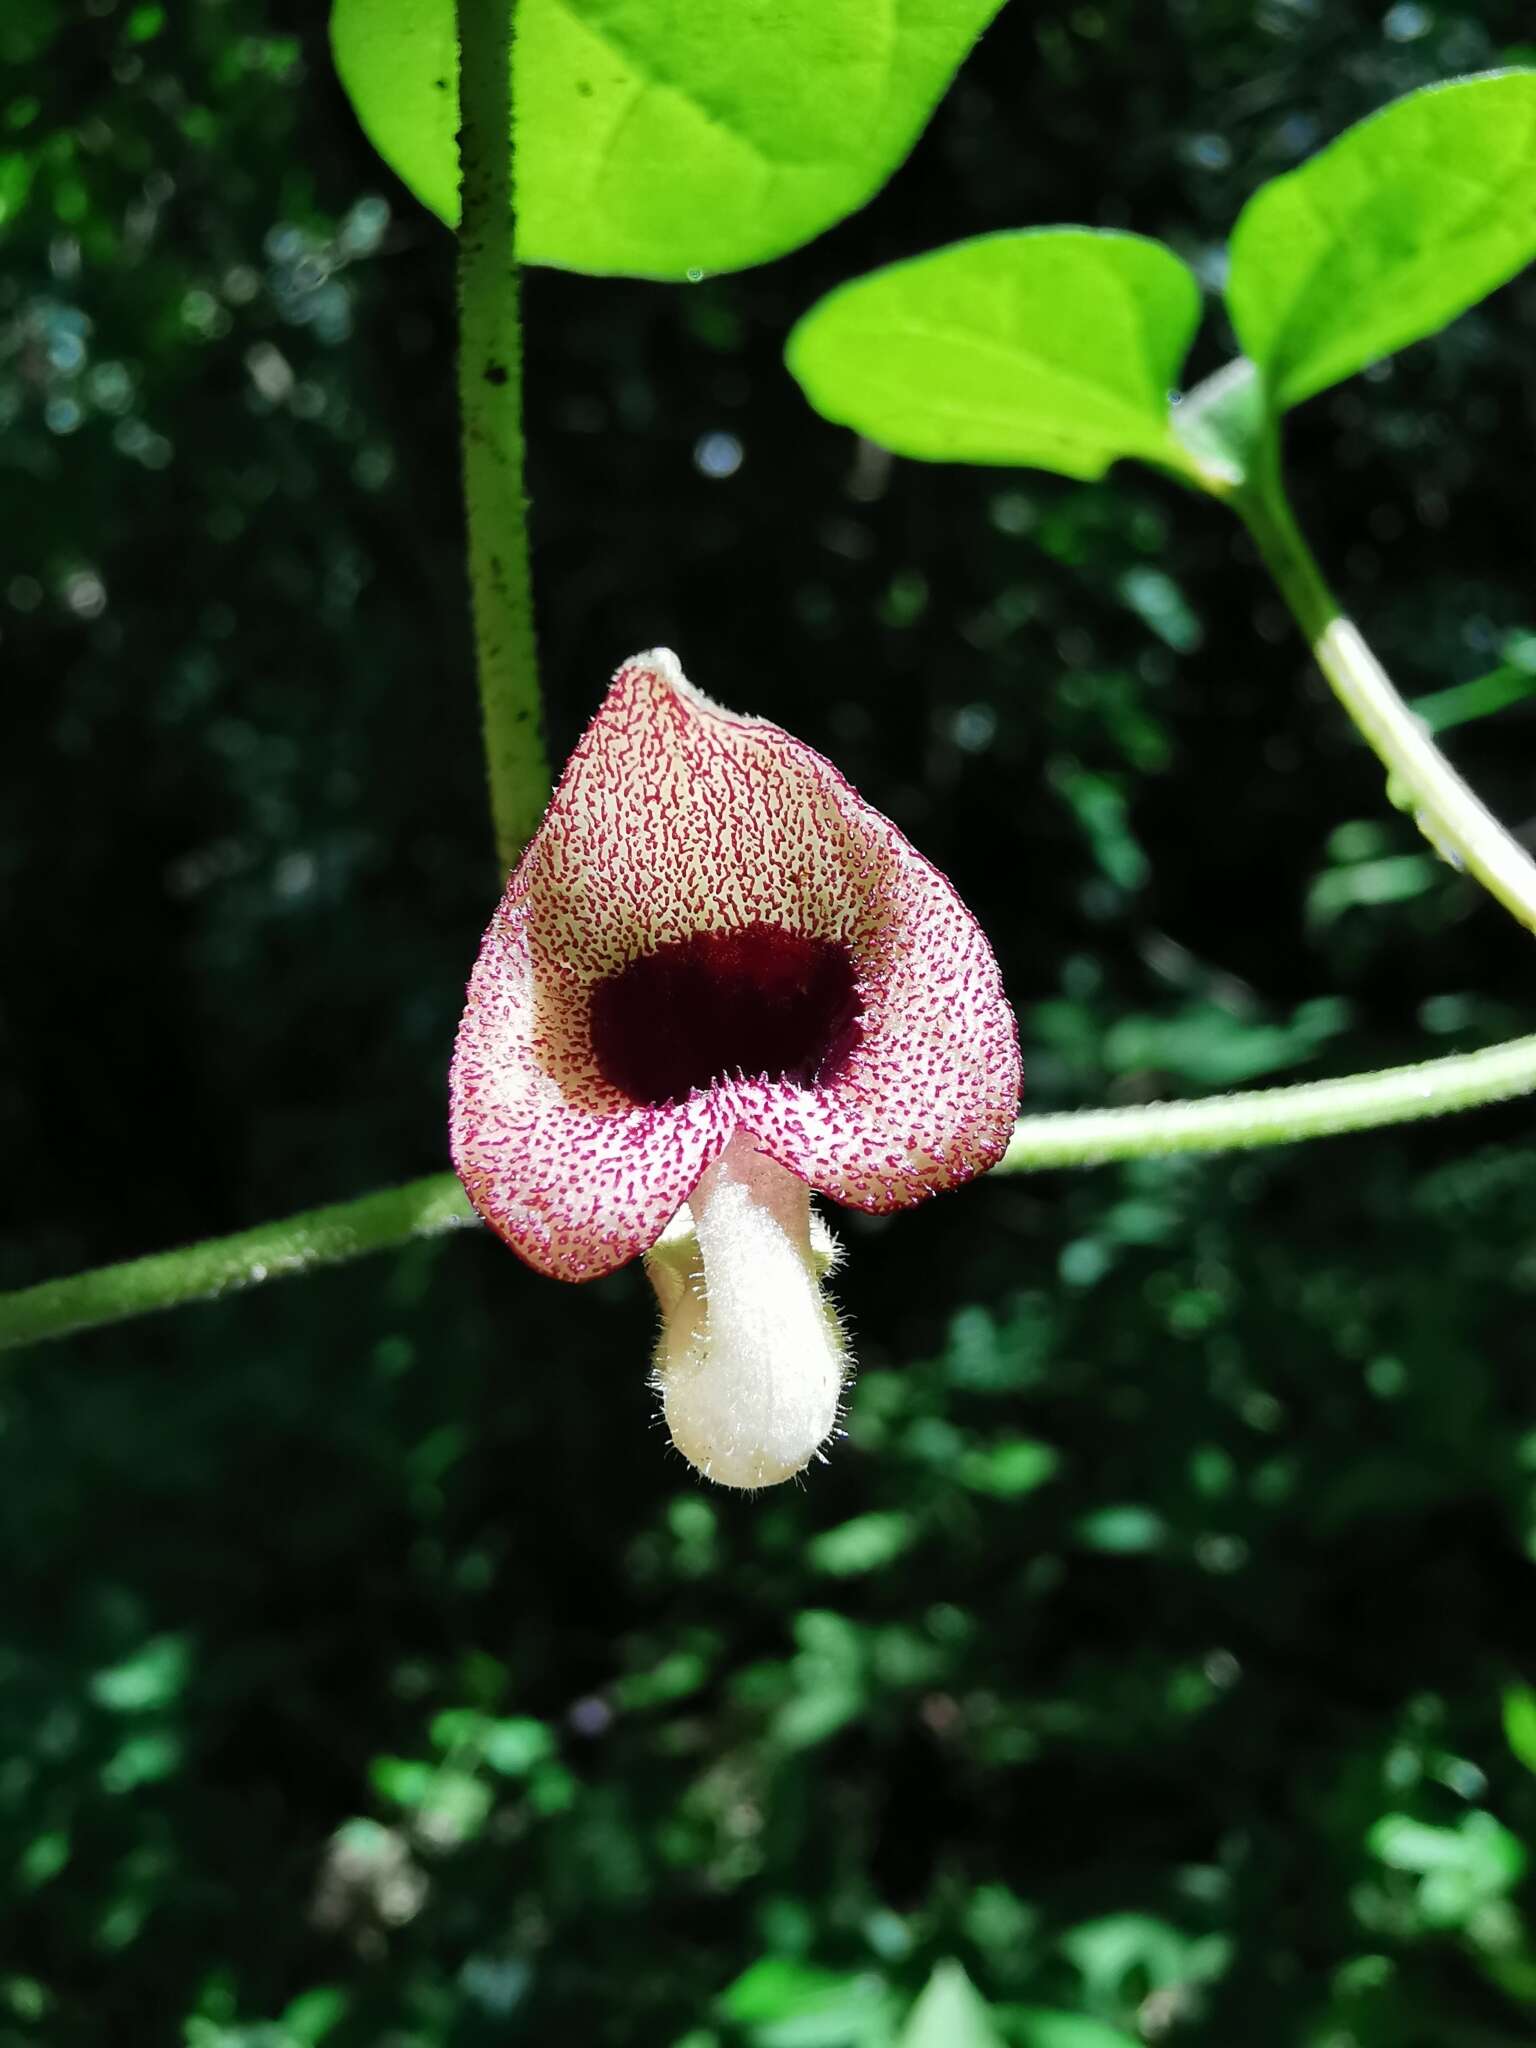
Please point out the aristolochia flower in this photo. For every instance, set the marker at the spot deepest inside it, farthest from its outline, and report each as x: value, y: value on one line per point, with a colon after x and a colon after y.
x: 717, y: 981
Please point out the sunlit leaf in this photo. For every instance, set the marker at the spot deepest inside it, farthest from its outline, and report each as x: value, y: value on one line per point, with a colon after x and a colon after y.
x: 405, y: 1782
x: 314, y: 2013
x: 1460, y: 1868
x: 789, y: 2004
x: 1114, y: 1952
x: 949, y: 2013
x: 659, y: 141
x: 1051, y: 347
x: 1409, y: 218
x: 513, y: 1747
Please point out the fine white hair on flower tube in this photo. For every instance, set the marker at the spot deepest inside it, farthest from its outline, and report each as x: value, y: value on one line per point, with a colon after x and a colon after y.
x: 751, y: 1361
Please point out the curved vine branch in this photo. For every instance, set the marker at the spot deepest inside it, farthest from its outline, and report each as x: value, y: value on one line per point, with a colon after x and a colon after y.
x: 1275, y: 1116
x: 225, y: 1265
x: 427, y: 1208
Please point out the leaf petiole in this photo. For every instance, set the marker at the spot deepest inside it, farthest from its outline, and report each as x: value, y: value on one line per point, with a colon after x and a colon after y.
x: 1451, y: 816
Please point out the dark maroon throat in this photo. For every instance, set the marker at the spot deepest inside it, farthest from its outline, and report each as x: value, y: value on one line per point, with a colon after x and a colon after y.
x: 751, y: 1003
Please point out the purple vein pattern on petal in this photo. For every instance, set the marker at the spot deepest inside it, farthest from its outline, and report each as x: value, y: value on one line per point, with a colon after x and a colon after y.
x: 677, y: 821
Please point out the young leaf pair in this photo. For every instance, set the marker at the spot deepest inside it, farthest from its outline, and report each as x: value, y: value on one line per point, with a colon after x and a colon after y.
x: 1061, y: 348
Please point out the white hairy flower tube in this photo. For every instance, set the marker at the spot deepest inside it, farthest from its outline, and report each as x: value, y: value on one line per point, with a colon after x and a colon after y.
x: 751, y: 1360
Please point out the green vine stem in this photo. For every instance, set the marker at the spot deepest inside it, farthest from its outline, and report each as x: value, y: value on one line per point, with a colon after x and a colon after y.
x: 491, y: 406
x: 1275, y: 1116
x: 1455, y: 821
x: 224, y: 1265
x: 427, y: 1208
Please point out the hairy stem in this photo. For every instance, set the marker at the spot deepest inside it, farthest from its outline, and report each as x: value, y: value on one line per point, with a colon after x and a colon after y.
x: 1275, y: 1116
x: 426, y: 1208
x: 1456, y: 822
x: 223, y: 1265
x: 491, y: 405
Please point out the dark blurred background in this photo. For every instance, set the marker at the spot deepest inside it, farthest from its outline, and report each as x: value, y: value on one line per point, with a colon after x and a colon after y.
x: 370, y: 1671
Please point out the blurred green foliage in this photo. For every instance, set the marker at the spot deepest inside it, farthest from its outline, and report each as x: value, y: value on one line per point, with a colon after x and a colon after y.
x: 1158, y: 1650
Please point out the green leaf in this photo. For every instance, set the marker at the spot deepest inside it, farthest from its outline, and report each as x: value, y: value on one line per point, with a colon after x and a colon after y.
x: 515, y: 1746
x: 1511, y: 683
x: 1052, y: 347
x: 1035, y: 2027
x: 666, y: 140
x: 1009, y: 1469
x: 1460, y: 1868
x: 1121, y: 1531
x: 949, y: 2014
x: 1399, y: 878
x: 1520, y: 1723
x: 397, y: 1778
x: 866, y: 1544
x: 787, y: 2004
x: 141, y: 1760
x: 313, y: 2014
x: 15, y: 183
x: 153, y: 1677
x: 1409, y: 218
x: 672, y: 1678
x: 43, y: 1858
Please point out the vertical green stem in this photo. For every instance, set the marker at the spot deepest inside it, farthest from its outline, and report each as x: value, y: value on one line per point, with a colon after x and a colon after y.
x: 491, y: 405
x: 1456, y: 821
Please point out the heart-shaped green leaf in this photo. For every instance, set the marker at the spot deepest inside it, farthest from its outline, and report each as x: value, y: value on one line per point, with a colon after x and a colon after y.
x: 1051, y: 347
x: 659, y: 138
x: 1387, y: 234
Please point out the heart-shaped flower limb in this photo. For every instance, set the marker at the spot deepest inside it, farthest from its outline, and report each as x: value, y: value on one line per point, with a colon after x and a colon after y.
x: 717, y: 981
